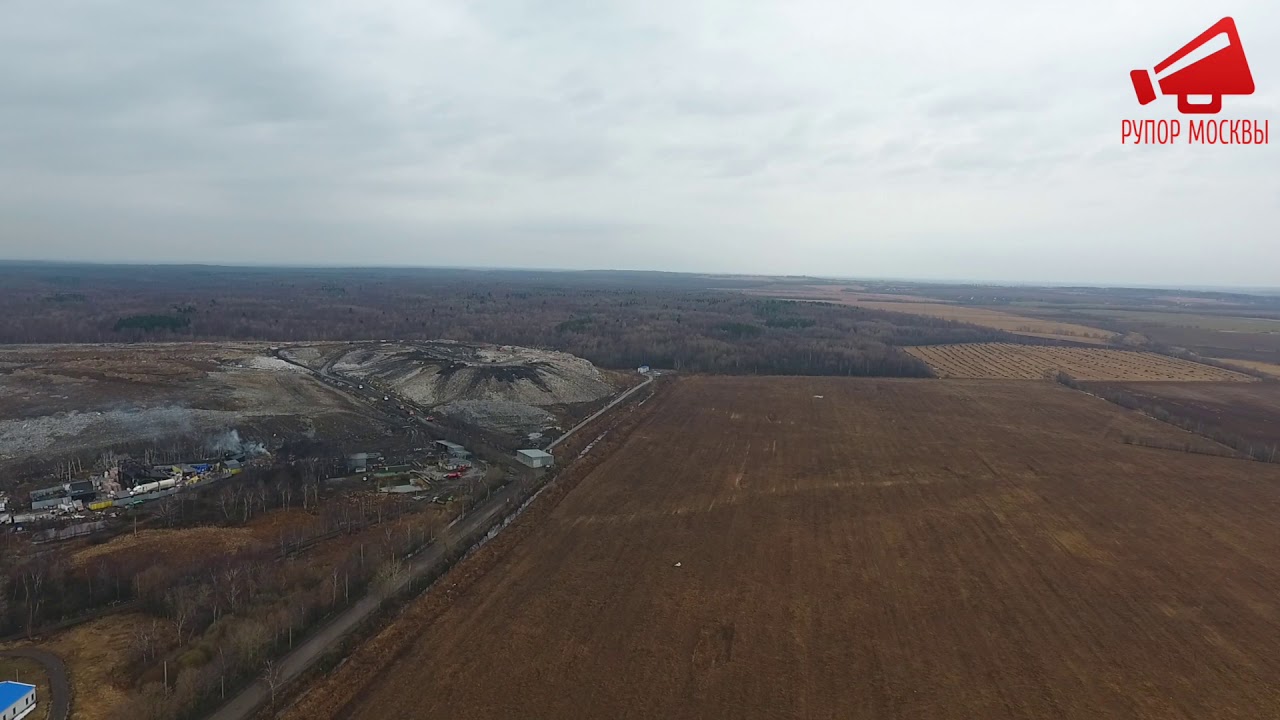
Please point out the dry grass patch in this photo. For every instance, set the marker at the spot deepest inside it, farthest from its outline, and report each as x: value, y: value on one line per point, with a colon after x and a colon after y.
x: 96, y: 657
x: 190, y: 542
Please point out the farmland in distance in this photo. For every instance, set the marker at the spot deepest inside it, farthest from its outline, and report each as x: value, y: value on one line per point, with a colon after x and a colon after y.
x: 1028, y: 362
x: 1267, y: 368
x: 915, y: 305
x: 998, y: 319
x: 887, y: 549
x: 1246, y: 417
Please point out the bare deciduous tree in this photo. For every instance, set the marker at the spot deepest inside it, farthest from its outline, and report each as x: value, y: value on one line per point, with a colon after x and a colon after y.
x: 273, y: 677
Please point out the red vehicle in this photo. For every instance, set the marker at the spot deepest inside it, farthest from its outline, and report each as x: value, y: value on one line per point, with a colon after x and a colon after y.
x: 453, y: 476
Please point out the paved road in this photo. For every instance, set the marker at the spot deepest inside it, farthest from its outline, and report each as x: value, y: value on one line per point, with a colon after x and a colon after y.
x: 59, y: 683
x: 301, y: 658
x: 648, y: 379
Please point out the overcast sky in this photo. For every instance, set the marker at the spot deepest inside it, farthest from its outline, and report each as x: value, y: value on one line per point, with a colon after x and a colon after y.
x: 933, y: 139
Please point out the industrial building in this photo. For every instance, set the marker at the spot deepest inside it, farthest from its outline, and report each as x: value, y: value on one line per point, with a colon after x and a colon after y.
x: 535, y: 458
x: 82, y: 490
x: 69, y: 495
x: 48, y: 503
x: 454, y: 449
x: 359, y: 462
x: 48, y: 498
x: 17, y: 700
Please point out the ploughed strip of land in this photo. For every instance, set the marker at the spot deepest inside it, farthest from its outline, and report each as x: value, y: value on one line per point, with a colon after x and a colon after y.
x: 1007, y: 361
x: 795, y: 547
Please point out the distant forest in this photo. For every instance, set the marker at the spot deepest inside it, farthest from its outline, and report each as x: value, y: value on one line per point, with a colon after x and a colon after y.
x: 614, y: 319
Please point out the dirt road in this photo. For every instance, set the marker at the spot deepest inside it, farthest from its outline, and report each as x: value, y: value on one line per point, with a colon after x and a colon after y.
x: 612, y: 404
x: 60, y: 684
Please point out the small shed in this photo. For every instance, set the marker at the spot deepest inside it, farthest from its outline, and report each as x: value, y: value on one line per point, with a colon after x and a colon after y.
x: 17, y: 700
x: 535, y: 458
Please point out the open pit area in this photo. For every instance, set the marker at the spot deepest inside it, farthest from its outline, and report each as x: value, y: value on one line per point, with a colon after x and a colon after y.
x: 60, y: 401
x: 871, y: 548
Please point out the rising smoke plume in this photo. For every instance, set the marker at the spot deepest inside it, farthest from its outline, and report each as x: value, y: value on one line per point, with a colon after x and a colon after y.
x: 231, y: 442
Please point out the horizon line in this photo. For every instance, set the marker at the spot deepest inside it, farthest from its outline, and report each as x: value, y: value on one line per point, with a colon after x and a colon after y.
x: 722, y: 274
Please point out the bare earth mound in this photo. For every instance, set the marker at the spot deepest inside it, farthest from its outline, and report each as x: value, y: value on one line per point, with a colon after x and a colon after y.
x: 890, y: 550
x: 1026, y: 362
x: 433, y: 373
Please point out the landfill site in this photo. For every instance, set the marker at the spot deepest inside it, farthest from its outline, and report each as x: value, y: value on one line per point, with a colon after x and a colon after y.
x: 89, y: 428
x: 498, y: 387
x: 158, y: 500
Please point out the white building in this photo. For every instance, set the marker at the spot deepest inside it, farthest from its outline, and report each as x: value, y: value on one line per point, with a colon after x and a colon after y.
x: 17, y: 700
x: 535, y: 458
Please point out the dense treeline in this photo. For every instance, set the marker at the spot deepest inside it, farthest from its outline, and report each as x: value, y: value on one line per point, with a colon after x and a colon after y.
x: 615, y: 320
x: 151, y: 322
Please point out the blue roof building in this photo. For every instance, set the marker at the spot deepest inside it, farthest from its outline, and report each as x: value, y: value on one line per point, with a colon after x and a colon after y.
x: 17, y: 700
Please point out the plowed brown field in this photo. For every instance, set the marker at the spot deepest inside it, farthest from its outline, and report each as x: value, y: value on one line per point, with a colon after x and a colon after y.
x: 894, y: 549
x: 1027, y: 362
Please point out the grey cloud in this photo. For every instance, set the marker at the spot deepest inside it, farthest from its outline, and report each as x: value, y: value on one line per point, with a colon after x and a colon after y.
x: 720, y: 103
x: 454, y: 132
x: 978, y: 104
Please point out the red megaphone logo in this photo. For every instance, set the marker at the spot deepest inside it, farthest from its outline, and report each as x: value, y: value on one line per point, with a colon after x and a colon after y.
x: 1212, y: 65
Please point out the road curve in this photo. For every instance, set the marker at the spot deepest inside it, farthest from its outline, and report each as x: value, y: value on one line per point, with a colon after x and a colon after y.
x: 59, y: 683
